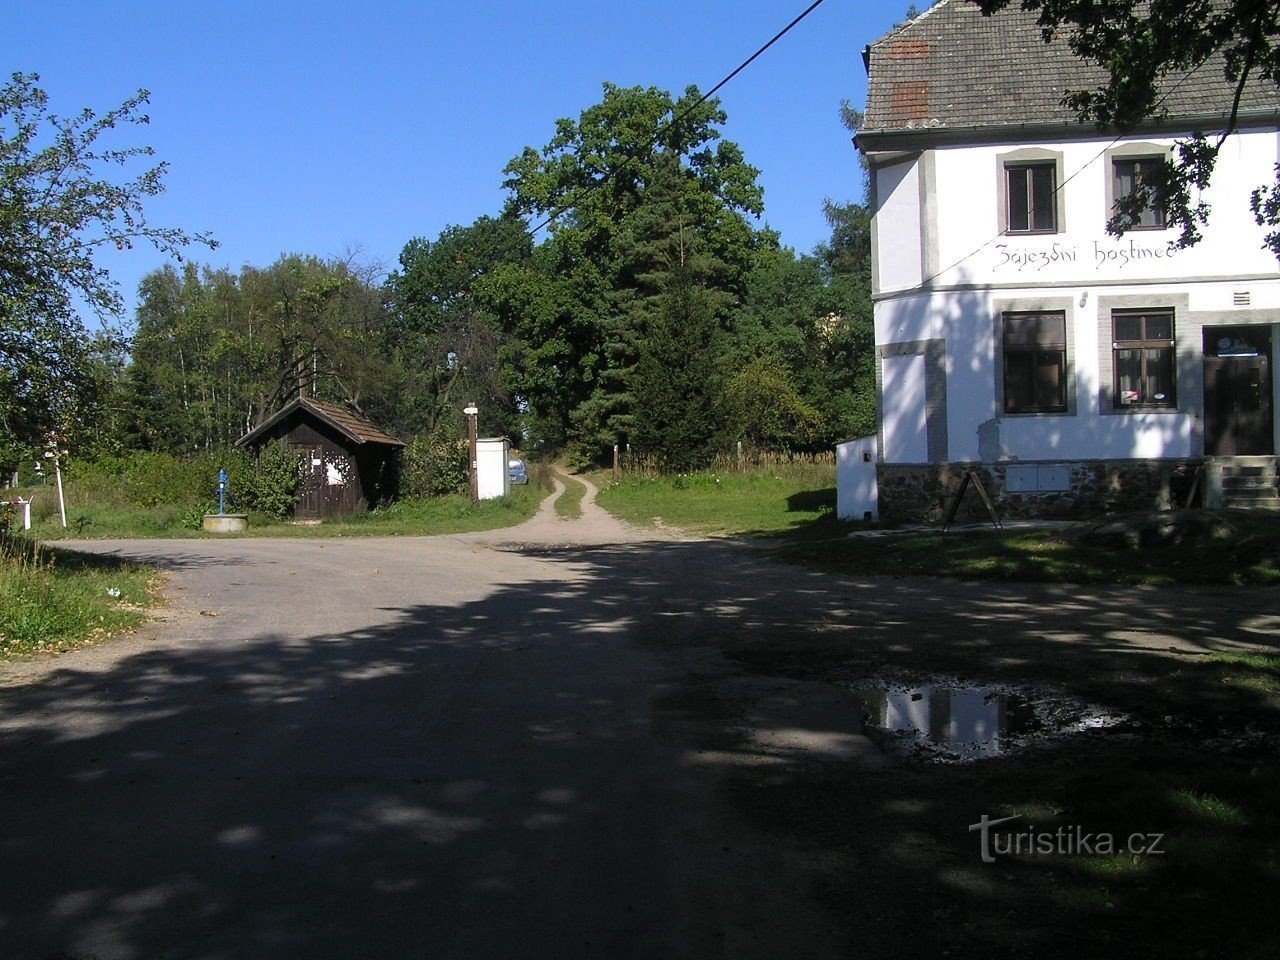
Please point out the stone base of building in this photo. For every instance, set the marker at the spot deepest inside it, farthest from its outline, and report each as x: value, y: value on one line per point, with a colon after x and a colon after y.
x: 1058, y: 490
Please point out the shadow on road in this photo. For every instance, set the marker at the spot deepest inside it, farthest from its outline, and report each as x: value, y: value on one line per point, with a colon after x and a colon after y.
x: 596, y: 766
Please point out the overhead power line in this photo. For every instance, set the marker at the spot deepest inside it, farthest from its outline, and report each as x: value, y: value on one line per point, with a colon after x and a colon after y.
x: 663, y: 130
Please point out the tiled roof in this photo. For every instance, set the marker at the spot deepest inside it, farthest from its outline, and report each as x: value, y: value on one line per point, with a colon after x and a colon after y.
x: 347, y: 422
x: 951, y: 67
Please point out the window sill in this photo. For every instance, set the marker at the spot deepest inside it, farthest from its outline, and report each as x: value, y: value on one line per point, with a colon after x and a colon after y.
x: 1032, y: 233
x: 1025, y: 414
x: 1131, y: 410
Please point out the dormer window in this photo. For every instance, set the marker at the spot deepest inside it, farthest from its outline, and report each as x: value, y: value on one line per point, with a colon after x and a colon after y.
x: 1031, y: 197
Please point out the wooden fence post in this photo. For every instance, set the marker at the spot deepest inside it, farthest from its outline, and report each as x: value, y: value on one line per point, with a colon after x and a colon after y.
x: 615, y: 463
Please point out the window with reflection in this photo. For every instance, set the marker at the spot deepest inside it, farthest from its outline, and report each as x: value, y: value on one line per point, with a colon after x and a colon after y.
x: 1143, y: 359
x: 1128, y: 173
x: 1035, y: 362
x: 1031, y: 197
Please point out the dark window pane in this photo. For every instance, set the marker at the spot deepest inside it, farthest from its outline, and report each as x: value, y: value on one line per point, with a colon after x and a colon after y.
x: 1019, y: 199
x: 1051, y: 381
x: 1019, y: 379
x: 1159, y: 327
x: 1030, y: 329
x: 1043, y: 207
x: 1159, y: 380
x: 1128, y: 327
x: 1129, y: 377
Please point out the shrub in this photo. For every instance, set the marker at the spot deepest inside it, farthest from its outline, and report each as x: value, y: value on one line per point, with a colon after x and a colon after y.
x: 435, y: 465
x: 269, y: 484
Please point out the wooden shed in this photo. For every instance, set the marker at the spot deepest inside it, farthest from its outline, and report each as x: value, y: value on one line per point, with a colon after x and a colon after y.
x: 349, y: 463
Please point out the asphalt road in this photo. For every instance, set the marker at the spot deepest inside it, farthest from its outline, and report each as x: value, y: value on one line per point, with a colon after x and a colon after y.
x: 512, y: 744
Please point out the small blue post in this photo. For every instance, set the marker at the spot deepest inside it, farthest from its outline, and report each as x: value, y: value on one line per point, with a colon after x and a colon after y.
x: 222, y: 492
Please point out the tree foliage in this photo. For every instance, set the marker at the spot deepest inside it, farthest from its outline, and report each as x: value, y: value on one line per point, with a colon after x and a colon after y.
x: 602, y: 182
x: 444, y: 335
x: 1144, y: 45
x: 65, y: 195
x: 215, y: 352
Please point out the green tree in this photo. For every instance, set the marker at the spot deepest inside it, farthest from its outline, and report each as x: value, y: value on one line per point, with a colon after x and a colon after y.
x: 215, y: 352
x: 64, y: 196
x: 574, y: 326
x: 1141, y: 44
x: 443, y: 333
x: 675, y: 386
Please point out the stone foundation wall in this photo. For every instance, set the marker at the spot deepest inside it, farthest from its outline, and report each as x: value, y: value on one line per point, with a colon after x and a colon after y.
x: 921, y: 493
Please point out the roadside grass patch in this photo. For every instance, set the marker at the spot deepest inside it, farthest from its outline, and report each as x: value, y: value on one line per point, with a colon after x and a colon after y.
x: 1207, y: 807
x: 1256, y: 671
x: 450, y: 514
x: 781, y: 497
x: 569, y: 503
x: 53, y: 600
x: 1253, y: 556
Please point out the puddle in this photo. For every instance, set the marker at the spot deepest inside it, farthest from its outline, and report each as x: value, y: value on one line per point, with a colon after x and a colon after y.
x: 942, y: 720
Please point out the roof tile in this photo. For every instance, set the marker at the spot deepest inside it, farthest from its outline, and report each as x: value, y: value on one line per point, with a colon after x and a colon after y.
x: 954, y: 67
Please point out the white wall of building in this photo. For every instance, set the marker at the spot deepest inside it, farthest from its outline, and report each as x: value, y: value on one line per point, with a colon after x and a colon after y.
x: 1075, y: 267
x: 898, y: 197
x: 905, y: 423
x: 969, y: 215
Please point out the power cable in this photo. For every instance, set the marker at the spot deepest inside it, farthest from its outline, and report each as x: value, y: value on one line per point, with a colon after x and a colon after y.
x: 667, y: 127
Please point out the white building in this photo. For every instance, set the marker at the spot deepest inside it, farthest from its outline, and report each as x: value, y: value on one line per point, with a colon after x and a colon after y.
x: 1014, y: 336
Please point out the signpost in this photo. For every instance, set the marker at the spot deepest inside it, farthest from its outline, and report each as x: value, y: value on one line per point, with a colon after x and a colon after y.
x: 471, y: 410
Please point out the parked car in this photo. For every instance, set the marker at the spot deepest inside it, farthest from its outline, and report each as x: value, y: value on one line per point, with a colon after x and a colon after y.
x: 516, y: 471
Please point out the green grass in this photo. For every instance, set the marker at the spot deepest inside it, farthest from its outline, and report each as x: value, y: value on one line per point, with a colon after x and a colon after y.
x: 569, y: 503
x: 451, y: 514
x: 53, y: 600
x: 1036, y: 555
x: 781, y: 498
x: 1254, y: 671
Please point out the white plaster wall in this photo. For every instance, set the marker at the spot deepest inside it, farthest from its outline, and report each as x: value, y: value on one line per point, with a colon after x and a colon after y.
x: 976, y: 429
x: 906, y: 416
x: 857, y: 493
x: 898, y: 226
x: 971, y: 249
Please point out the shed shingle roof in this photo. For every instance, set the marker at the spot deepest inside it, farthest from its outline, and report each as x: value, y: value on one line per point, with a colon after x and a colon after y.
x: 357, y: 428
x: 953, y: 68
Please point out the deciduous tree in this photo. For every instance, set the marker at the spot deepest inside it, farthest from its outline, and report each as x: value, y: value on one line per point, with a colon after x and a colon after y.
x: 65, y: 195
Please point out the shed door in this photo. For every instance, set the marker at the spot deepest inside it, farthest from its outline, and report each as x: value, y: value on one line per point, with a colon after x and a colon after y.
x: 311, y: 490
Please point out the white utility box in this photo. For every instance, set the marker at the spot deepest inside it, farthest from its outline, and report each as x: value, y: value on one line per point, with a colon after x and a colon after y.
x: 492, y: 478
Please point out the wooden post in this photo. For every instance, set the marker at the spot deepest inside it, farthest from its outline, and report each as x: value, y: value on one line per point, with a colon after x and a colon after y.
x: 739, y: 456
x: 615, y: 463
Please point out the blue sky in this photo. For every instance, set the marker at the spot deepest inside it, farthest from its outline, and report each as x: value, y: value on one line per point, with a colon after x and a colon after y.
x: 320, y: 126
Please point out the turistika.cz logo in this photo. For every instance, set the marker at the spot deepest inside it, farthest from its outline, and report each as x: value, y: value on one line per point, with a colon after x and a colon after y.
x: 1075, y: 841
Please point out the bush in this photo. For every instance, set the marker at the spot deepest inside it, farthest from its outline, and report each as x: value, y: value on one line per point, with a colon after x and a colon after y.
x: 435, y: 465
x: 268, y: 484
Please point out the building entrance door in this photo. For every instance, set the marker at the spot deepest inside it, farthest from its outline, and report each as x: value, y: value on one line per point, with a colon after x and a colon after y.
x: 1237, y: 391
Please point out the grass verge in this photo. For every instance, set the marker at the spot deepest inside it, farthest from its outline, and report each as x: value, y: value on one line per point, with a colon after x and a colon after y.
x: 782, y: 498
x: 1054, y: 556
x: 52, y: 600
x: 451, y: 514
x: 569, y: 503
